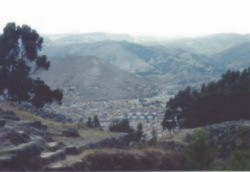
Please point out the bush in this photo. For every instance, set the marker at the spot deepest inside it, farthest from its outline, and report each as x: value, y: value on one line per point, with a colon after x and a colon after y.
x: 139, y: 132
x: 198, y: 154
x: 122, y: 126
x: 130, y: 160
x: 93, y: 123
x: 239, y: 160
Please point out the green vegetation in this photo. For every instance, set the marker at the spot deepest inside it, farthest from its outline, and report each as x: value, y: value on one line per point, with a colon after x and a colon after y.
x: 136, y: 160
x: 154, y: 136
x: 93, y: 123
x: 198, y: 154
x: 239, y: 160
x: 122, y: 126
x: 19, y: 59
x: 227, y: 99
x: 139, y: 132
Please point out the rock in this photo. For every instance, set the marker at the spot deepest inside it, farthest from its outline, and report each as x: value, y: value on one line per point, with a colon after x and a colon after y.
x: 66, y: 165
x: 25, y: 156
x: 9, y: 115
x: 2, y: 122
x: 53, y: 146
x: 71, y: 132
x: 36, y: 124
x: 48, y: 157
x: 5, y: 162
x: 72, y: 150
x: 32, y: 148
x: 17, y: 137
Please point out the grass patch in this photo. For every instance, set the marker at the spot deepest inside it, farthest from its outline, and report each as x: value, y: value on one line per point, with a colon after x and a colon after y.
x: 25, y: 115
x: 146, y: 159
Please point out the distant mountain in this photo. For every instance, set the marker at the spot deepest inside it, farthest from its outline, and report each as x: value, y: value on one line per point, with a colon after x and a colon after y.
x: 88, y: 78
x: 136, y: 58
x: 209, y: 45
x: 165, y: 62
x: 88, y: 37
x: 112, y: 52
x: 73, y: 38
x: 206, y: 45
x: 234, y: 58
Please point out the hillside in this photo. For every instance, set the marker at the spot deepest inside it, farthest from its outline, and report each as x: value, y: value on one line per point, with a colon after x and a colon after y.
x: 88, y: 78
x: 234, y: 58
x: 210, y: 44
x: 172, y: 64
x: 139, y: 59
x: 29, y: 142
x: 112, y: 52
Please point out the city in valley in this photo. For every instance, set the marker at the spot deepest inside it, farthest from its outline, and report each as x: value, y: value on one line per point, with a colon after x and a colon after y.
x: 149, y: 112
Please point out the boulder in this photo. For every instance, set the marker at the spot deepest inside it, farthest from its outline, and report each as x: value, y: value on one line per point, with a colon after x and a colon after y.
x: 72, y: 150
x: 9, y: 115
x: 53, y: 146
x: 10, y: 136
x: 2, y: 122
x: 71, y: 132
x: 49, y: 157
x: 25, y: 156
x: 36, y: 124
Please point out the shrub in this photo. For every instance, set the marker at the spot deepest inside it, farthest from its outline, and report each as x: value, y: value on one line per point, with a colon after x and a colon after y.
x: 122, y: 126
x: 198, y: 154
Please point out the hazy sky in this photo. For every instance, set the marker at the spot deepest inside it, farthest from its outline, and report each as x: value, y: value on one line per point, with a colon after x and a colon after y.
x: 153, y: 17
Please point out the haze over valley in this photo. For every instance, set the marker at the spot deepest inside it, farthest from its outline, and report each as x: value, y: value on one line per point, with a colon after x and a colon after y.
x: 104, y: 73
x: 132, y: 67
x: 128, y: 85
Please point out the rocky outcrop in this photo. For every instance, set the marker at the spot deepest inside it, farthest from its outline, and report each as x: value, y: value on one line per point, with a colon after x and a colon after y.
x: 31, y: 145
x: 2, y: 122
x: 8, y: 115
x: 71, y: 132
x: 36, y: 124
x: 25, y: 156
x: 45, y: 114
x: 75, y: 162
x: 12, y: 137
x: 226, y: 137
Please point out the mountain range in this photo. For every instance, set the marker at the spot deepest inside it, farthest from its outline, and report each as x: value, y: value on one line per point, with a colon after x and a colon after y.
x: 88, y: 78
x: 143, y: 60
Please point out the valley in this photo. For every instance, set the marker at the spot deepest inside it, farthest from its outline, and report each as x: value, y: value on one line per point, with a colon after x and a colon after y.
x: 125, y: 85
x: 107, y: 74
x: 118, y: 93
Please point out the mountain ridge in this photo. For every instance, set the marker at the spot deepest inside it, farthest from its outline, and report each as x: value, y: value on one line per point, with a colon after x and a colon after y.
x: 88, y: 78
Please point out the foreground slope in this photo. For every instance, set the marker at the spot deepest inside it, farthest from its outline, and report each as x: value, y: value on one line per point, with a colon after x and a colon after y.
x: 30, y: 142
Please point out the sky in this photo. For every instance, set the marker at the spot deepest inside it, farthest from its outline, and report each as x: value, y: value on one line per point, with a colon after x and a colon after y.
x: 142, y: 17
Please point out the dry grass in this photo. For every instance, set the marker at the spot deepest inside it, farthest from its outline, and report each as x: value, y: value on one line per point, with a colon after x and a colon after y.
x: 178, y: 136
x: 132, y: 160
x: 85, y: 137
x: 25, y: 115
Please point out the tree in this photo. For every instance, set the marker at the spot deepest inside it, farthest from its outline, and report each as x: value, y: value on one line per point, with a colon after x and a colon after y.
x: 19, y: 59
x: 93, y: 123
x: 153, y: 140
x: 198, y: 154
x: 224, y: 100
x: 89, y: 122
x: 139, y: 132
x: 122, y: 126
x: 96, y: 123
